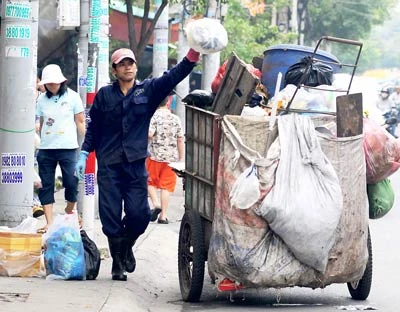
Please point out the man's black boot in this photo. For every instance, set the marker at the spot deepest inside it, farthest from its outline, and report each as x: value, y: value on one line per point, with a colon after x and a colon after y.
x: 130, y: 261
x: 117, y: 251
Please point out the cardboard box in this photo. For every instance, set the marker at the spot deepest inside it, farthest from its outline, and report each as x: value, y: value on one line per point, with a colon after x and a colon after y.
x: 11, y: 242
x: 20, y: 254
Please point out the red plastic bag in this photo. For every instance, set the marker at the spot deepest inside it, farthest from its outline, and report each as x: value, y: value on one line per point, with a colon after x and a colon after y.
x: 221, y: 73
x: 218, y: 77
x: 382, y: 152
x: 254, y: 71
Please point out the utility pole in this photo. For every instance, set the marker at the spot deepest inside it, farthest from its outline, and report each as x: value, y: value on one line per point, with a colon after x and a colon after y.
x: 160, y: 42
x: 103, y: 63
x: 293, y: 17
x: 211, y: 62
x: 87, y: 199
x: 82, y: 53
x: 182, y: 89
x: 95, y: 12
x: 83, y: 49
x: 18, y: 63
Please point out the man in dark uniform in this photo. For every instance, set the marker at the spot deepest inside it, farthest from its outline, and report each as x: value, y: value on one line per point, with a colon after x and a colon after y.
x: 118, y: 133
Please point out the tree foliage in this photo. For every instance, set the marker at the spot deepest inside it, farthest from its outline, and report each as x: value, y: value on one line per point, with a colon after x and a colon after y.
x: 381, y: 47
x: 250, y: 36
x: 350, y: 19
x: 147, y: 26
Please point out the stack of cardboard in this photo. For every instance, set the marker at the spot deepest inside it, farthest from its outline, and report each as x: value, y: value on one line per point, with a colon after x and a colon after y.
x: 20, y: 254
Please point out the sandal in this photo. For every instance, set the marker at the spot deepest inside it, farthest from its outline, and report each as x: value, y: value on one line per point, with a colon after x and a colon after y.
x: 37, y: 211
x: 161, y: 221
x: 154, y: 213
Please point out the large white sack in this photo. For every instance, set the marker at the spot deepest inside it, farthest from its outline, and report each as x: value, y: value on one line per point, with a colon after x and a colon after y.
x: 305, y: 204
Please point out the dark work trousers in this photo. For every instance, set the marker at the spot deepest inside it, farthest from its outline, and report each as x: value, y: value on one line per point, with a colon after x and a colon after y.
x: 47, y: 161
x: 123, y: 186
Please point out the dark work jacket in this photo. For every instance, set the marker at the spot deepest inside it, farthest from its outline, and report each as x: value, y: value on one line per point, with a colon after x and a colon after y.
x: 119, y: 125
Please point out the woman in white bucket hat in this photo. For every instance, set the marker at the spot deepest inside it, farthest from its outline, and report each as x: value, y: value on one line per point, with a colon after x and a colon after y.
x: 62, y: 118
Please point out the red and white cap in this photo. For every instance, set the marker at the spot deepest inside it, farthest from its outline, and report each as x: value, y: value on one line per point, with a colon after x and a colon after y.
x: 120, y: 54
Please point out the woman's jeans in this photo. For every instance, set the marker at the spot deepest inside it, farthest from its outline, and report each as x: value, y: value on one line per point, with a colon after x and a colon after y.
x: 47, y: 161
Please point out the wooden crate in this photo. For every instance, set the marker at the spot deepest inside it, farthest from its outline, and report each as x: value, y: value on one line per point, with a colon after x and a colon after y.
x: 236, y: 89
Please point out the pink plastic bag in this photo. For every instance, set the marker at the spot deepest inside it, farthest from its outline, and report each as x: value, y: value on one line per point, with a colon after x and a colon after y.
x: 382, y: 152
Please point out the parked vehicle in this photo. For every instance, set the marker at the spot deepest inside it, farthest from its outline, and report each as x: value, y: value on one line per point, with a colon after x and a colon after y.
x: 392, y: 118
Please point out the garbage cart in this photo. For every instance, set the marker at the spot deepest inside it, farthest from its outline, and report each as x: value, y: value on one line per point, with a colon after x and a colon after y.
x: 229, y: 240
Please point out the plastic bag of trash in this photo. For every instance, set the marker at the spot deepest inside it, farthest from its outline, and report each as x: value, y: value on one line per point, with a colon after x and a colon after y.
x: 206, y: 35
x: 381, y: 150
x: 27, y: 226
x: 246, y: 189
x: 199, y: 98
x: 380, y: 198
x: 316, y: 73
x: 64, y: 255
x: 92, y: 256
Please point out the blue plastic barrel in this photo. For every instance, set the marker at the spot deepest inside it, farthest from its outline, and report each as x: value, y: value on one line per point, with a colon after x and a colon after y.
x: 279, y: 58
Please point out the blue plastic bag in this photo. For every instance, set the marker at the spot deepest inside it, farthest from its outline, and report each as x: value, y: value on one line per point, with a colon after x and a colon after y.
x: 64, y: 254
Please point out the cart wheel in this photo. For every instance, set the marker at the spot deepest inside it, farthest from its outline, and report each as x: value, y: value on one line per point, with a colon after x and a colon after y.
x: 359, y: 290
x: 191, y: 256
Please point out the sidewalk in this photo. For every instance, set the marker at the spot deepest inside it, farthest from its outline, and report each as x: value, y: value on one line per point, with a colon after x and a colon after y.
x: 103, y: 294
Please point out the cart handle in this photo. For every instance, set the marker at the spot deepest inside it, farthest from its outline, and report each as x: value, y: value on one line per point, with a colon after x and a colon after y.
x: 340, y: 40
x: 343, y: 41
x: 334, y: 39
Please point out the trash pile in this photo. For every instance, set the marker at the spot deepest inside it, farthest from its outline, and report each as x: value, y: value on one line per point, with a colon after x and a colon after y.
x: 64, y: 252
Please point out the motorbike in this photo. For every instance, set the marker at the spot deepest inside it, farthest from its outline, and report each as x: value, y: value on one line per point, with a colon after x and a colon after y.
x: 392, y: 119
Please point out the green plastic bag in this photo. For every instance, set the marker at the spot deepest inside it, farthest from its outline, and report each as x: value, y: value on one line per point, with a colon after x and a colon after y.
x: 380, y: 198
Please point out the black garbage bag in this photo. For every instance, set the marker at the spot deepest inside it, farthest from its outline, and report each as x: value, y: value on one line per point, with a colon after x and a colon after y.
x: 92, y: 256
x: 199, y: 98
x: 256, y: 100
x: 317, y: 73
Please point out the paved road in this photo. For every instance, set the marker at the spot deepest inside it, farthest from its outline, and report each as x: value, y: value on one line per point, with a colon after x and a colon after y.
x: 154, y: 286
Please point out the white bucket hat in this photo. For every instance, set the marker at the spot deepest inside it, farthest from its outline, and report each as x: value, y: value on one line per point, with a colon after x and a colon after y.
x: 52, y: 74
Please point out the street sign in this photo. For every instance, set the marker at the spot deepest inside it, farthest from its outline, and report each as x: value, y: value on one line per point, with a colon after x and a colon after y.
x: 13, y: 159
x: 17, y: 51
x: 18, y: 32
x: 11, y: 176
x: 18, y: 10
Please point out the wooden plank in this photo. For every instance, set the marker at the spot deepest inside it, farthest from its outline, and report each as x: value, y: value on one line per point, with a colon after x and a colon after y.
x: 201, y: 144
x: 201, y: 137
x: 236, y: 88
x: 349, y: 115
x: 189, y: 139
